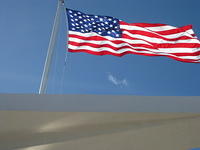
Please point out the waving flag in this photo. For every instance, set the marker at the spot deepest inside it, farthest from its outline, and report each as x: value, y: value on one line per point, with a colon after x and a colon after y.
x: 104, y: 35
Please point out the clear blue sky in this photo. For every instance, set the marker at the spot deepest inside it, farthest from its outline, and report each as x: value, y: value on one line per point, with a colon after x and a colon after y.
x: 25, y: 27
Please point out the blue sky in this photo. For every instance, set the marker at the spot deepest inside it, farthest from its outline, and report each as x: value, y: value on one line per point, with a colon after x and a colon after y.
x: 25, y: 28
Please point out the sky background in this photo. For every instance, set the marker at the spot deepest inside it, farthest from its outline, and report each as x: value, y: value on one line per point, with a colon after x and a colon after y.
x: 25, y: 29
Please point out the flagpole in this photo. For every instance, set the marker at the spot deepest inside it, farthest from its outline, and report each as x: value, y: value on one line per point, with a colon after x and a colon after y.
x: 50, y: 51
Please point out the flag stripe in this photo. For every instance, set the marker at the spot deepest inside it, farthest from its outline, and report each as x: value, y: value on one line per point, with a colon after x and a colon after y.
x: 160, y: 47
x: 120, y: 47
x: 127, y: 36
x: 131, y: 52
x: 138, y: 43
x: 186, y: 29
x: 150, y: 26
x: 96, y: 37
x: 101, y: 52
x: 180, y: 47
x: 143, y: 24
x: 160, y: 28
x: 108, y: 47
x: 173, y: 37
x: 188, y: 33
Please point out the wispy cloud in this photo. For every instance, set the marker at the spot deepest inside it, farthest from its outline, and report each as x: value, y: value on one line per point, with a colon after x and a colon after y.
x: 117, y: 82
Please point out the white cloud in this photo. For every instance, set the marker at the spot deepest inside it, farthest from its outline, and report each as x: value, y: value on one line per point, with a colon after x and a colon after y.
x: 116, y: 81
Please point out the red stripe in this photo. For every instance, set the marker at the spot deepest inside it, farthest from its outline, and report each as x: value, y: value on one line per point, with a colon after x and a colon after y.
x: 154, y: 35
x: 142, y: 24
x: 178, y: 45
x: 100, y: 38
x: 110, y: 46
x: 129, y: 52
x: 174, y: 31
x: 166, y: 32
x: 123, y: 47
x: 94, y: 38
x: 153, y: 45
x: 125, y: 36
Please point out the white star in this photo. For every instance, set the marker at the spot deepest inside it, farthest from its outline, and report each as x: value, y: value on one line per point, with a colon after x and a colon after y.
x: 80, y: 17
x: 95, y: 16
x: 73, y: 29
x: 75, y: 14
x: 70, y: 11
x: 108, y: 32
x: 101, y: 19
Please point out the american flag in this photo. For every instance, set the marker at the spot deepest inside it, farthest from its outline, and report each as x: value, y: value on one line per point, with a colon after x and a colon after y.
x: 104, y: 35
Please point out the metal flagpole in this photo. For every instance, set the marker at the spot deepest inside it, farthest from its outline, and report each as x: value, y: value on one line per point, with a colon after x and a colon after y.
x: 52, y: 42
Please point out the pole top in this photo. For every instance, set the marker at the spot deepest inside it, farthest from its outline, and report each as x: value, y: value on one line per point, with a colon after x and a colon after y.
x: 61, y: 1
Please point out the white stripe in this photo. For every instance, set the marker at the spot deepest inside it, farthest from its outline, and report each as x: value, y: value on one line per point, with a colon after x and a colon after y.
x: 170, y: 36
x: 129, y: 49
x: 190, y: 31
x: 126, y: 42
x: 106, y: 49
x: 165, y: 50
x: 179, y: 50
x: 142, y: 37
x: 190, y: 57
x: 160, y: 28
x: 158, y: 40
x: 176, y: 35
x: 109, y: 37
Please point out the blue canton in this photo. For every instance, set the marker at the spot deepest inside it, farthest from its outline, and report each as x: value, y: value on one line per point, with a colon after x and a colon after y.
x: 102, y: 25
